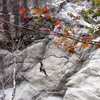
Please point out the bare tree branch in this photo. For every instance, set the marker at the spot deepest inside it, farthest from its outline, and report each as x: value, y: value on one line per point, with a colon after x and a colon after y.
x: 14, y: 82
x: 79, y: 39
x: 2, y: 91
x: 14, y: 85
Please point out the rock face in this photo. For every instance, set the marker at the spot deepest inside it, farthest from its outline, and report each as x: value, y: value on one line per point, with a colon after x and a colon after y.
x: 79, y: 79
x: 32, y: 82
x: 85, y: 83
x: 74, y: 9
x: 68, y: 76
x: 22, y: 61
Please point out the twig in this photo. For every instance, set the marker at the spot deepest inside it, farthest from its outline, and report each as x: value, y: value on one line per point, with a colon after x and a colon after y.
x: 14, y: 82
x: 14, y: 85
x: 16, y: 25
x: 76, y: 38
x: 3, y: 93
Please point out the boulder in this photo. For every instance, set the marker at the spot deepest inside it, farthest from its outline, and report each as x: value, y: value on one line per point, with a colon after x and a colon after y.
x: 85, y: 83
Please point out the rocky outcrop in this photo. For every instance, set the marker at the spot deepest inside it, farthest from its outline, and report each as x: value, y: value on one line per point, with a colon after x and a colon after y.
x: 64, y: 73
x: 74, y: 9
x: 85, y: 83
x: 68, y: 76
x: 32, y: 82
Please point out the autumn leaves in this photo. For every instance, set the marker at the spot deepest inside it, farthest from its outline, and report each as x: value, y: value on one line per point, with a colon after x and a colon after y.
x: 37, y: 11
x: 70, y: 40
x: 65, y: 38
x: 22, y: 10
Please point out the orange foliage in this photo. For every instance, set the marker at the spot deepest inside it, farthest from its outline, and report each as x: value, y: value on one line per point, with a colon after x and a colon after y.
x: 70, y: 49
x: 37, y: 12
x: 57, y: 44
x: 66, y: 31
x: 63, y: 39
x: 44, y: 9
x: 25, y: 18
x: 57, y: 22
x: 98, y: 47
x: 85, y: 45
x: 22, y: 11
x: 50, y: 18
x: 67, y: 34
x: 87, y: 38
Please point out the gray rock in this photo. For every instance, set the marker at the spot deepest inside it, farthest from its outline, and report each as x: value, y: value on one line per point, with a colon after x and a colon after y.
x: 85, y: 83
x: 53, y: 61
x: 69, y: 76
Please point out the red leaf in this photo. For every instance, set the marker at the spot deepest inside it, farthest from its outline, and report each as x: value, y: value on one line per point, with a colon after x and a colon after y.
x: 87, y: 38
x: 57, y: 44
x: 63, y: 39
x: 50, y: 18
x: 70, y: 49
x: 46, y: 10
x: 67, y: 34
x: 85, y: 45
x: 98, y: 46
x: 22, y: 10
x: 25, y: 18
x: 59, y: 27
x: 57, y: 22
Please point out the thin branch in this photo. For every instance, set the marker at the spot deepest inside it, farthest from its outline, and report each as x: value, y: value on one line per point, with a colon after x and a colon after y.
x: 2, y: 14
x: 16, y: 25
x: 76, y: 38
x: 14, y: 85
x: 3, y: 93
